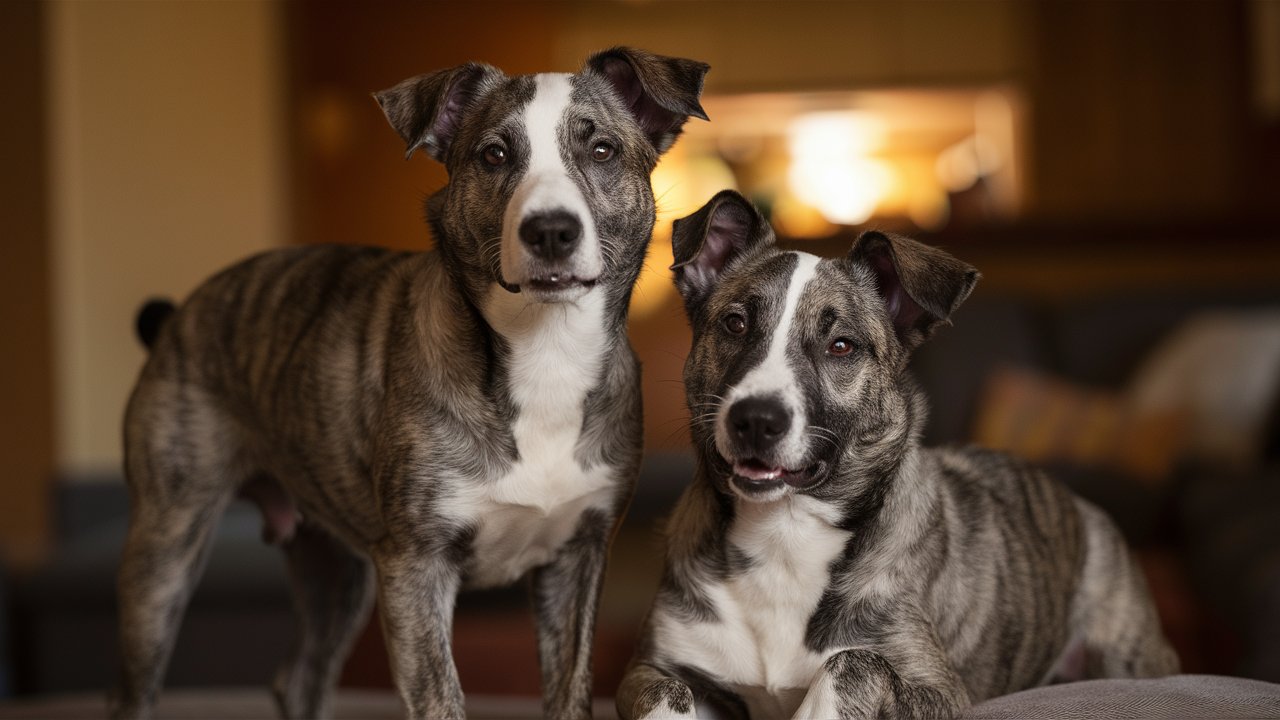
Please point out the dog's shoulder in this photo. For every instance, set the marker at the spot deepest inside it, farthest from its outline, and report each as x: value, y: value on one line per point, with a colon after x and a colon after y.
x: 982, y: 467
x: 981, y: 474
x: 275, y: 261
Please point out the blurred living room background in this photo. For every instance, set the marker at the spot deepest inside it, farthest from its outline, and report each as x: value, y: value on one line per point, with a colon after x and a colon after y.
x: 1113, y: 169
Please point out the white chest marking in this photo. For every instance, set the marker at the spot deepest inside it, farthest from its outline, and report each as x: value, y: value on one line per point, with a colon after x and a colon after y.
x: 758, y: 645
x: 555, y: 359
x: 774, y: 376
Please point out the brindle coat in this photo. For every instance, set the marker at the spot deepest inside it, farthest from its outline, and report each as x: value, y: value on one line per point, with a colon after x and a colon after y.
x: 831, y: 566
x: 419, y: 422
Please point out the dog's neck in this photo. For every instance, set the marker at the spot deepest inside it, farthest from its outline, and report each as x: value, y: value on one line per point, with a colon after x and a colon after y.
x: 553, y: 353
x: 588, y: 324
x: 892, y: 512
x: 882, y: 468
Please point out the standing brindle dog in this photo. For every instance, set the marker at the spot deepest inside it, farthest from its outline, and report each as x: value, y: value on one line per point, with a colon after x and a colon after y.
x: 420, y: 422
x: 823, y: 564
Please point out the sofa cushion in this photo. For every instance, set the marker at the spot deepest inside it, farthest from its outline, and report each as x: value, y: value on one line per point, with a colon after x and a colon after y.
x: 1179, y: 696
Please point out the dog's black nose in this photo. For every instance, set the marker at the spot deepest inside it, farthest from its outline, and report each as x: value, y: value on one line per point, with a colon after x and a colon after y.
x: 552, y: 235
x: 759, y: 422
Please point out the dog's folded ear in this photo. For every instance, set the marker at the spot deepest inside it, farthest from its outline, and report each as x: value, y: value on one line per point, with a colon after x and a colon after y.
x: 661, y: 92
x: 427, y: 110
x: 704, y: 243
x: 921, y: 285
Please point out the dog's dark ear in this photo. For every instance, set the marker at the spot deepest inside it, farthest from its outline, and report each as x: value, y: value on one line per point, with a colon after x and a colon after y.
x: 921, y: 285
x: 661, y: 92
x: 427, y: 110
x: 704, y: 243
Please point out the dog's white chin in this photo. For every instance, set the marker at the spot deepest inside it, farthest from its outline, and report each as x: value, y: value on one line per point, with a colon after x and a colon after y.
x: 770, y: 495
x: 566, y: 294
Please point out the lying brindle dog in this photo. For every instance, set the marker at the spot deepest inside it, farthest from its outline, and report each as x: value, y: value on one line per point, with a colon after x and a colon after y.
x: 823, y: 564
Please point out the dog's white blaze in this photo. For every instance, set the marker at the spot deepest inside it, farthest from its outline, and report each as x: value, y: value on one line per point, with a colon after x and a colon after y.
x: 555, y: 359
x: 546, y: 184
x: 758, y: 644
x: 773, y: 376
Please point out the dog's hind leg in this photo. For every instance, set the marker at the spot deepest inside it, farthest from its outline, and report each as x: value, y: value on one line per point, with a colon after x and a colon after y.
x: 182, y: 461
x: 163, y: 557
x: 1114, y: 614
x: 333, y: 593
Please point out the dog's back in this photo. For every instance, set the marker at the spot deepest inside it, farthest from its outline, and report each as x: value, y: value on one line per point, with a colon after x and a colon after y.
x: 1000, y: 592
x: 1034, y: 584
x: 280, y: 362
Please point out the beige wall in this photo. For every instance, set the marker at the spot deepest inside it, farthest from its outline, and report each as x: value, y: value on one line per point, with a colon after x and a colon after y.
x: 167, y: 163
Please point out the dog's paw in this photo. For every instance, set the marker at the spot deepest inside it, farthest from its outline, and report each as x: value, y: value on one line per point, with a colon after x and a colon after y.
x: 853, y: 683
x: 665, y: 700
x: 665, y: 712
x: 822, y: 701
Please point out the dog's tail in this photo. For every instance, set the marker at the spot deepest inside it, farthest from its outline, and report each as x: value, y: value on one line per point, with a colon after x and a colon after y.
x: 151, y: 318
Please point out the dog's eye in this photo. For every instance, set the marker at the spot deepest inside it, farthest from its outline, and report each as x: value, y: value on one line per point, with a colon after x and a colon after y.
x: 840, y: 347
x: 495, y: 155
x: 602, y: 152
x: 735, y: 324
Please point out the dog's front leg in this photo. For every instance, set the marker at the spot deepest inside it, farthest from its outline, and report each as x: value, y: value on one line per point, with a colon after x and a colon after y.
x: 416, y: 594
x: 862, y: 683
x: 648, y: 693
x: 566, y: 595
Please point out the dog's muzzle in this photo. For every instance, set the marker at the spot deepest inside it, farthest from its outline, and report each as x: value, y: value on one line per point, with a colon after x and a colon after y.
x: 551, y: 237
x: 758, y: 424
x: 756, y: 428
x: 756, y: 480
x: 547, y: 256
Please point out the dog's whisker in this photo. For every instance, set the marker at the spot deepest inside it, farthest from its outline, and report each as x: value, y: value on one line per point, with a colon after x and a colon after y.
x: 684, y: 426
x: 823, y: 431
x: 827, y: 440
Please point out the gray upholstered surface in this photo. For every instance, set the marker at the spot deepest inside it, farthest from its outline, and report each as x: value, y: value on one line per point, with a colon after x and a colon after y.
x: 1180, y: 696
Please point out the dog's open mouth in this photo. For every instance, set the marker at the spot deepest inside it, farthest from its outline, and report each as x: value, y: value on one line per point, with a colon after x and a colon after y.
x: 555, y: 282
x: 756, y: 477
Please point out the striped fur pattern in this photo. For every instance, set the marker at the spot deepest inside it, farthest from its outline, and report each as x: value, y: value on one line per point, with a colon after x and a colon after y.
x: 834, y: 567
x: 412, y: 424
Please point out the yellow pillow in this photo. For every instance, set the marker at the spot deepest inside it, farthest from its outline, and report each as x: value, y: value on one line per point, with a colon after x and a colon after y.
x: 1045, y: 419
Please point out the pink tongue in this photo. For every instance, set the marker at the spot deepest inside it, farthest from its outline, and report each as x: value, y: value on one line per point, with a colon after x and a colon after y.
x: 757, y: 471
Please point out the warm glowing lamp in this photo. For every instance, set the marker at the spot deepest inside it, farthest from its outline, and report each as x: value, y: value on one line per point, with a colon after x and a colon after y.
x: 831, y: 168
